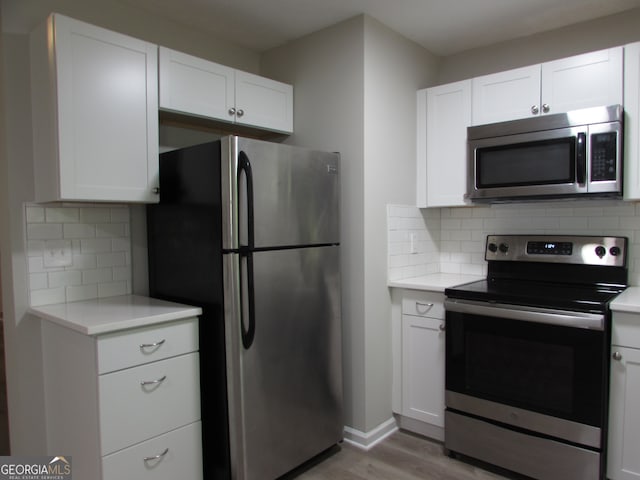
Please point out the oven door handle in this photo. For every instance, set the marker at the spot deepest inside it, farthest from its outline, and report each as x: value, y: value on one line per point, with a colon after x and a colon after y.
x: 563, y: 318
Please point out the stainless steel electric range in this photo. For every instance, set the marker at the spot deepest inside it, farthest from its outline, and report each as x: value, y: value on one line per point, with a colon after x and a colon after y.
x: 527, y: 355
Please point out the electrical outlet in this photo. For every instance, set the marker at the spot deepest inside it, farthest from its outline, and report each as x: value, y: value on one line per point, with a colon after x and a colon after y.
x: 57, y: 253
x: 413, y: 248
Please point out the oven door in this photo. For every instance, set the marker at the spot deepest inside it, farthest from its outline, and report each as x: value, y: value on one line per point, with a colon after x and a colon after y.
x: 538, y: 369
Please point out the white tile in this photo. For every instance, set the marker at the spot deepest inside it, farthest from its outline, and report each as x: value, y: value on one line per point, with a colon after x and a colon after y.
x: 112, y: 289
x: 116, y: 259
x: 121, y: 274
x: 97, y: 275
x: 35, y: 248
x: 38, y: 281
x: 82, y: 261
x: 81, y: 292
x: 64, y: 278
x: 79, y: 230
x: 48, y: 296
x: 95, y: 245
x: 95, y: 214
x: 120, y: 215
x: 44, y: 231
x: 110, y: 230
x: 62, y: 215
x: 34, y: 214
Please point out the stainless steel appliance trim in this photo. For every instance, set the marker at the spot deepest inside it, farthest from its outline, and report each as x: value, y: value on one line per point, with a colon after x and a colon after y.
x: 584, y: 249
x: 561, y: 428
x: 523, y: 313
x: 229, y: 191
x: 585, y: 116
x: 529, y: 455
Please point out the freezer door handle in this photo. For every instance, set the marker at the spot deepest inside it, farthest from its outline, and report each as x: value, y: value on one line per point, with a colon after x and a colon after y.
x: 247, y: 310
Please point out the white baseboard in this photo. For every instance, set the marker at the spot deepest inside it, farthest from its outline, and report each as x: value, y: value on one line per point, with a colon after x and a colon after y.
x: 367, y: 440
x: 421, y: 428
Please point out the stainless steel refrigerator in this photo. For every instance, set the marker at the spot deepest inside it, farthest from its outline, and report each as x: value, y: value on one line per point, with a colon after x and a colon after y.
x: 249, y: 231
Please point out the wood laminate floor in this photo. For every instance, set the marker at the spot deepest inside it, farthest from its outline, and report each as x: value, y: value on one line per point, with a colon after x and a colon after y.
x: 402, y: 456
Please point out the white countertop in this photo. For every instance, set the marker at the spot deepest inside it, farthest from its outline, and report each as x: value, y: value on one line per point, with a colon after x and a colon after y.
x: 105, y: 315
x: 434, y: 282
x: 627, y: 301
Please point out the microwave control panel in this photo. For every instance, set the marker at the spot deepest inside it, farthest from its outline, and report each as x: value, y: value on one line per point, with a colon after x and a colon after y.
x: 603, y: 156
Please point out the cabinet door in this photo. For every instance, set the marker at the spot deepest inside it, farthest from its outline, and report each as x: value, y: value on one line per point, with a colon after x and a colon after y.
x: 506, y: 95
x: 100, y: 139
x: 632, y: 121
x: 423, y: 369
x: 195, y: 86
x: 261, y: 102
x: 623, y: 460
x: 582, y: 81
x: 442, y: 144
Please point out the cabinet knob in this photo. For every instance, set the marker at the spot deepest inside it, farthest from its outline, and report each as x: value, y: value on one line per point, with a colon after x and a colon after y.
x: 617, y: 356
x: 546, y: 108
x: 156, y: 190
x: 534, y: 109
x: 442, y: 327
x: 240, y: 112
x: 232, y: 111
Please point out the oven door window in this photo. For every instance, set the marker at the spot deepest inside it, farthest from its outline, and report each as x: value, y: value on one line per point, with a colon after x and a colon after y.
x: 550, y: 369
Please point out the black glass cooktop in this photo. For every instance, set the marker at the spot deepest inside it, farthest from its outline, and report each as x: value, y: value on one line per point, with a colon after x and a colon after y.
x: 587, y: 298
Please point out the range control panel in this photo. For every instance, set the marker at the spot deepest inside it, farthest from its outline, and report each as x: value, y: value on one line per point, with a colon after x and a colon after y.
x: 579, y: 249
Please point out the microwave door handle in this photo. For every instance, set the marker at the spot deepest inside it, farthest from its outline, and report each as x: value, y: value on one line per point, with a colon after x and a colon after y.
x: 581, y: 159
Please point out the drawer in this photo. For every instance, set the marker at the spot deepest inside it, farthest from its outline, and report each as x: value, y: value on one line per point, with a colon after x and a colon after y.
x: 183, y: 457
x: 424, y: 305
x: 131, y: 411
x: 143, y: 345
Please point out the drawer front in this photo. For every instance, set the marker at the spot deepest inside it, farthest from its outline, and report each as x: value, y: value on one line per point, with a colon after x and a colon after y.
x: 625, y: 330
x: 143, y: 345
x: 139, y: 403
x: 423, y: 305
x: 183, y: 457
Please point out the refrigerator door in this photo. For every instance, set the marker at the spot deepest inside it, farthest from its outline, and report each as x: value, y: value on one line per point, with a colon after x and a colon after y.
x: 286, y: 400
x: 295, y: 193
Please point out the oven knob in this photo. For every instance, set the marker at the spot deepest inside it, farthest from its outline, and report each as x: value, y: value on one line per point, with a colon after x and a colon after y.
x: 504, y: 247
x: 601, y: 251
x: 615, y: 251
x: 493, y: 247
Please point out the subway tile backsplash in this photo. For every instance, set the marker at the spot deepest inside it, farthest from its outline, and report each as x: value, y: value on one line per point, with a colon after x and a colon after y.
x: 98, y: 243
x: 452, y: 240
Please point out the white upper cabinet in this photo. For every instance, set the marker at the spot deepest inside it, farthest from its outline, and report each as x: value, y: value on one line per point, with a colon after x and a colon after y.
x: 194, y: 86
x: 632, y: 121
x: 197, y: 86
x: 588, y: 80
x: 95, y: 114
x: 444, y: 113
x: 505, y: 95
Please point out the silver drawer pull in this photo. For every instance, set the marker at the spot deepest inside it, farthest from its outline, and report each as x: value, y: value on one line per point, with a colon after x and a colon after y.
x: 146, y: 383
x: 156, y: 457
x: 423, y: 307
x: 145, y: 346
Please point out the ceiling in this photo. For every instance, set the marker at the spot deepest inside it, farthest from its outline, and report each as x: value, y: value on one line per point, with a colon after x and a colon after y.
x: 444, y: 27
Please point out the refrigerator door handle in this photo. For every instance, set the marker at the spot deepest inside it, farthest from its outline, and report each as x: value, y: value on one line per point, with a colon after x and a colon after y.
x: 247, y: 311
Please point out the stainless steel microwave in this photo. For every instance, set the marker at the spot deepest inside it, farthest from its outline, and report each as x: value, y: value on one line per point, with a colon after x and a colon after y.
x: 578, y: 153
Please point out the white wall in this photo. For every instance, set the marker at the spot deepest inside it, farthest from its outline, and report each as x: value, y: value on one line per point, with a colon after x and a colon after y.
x: 354, y: 92
x: 583, y: 37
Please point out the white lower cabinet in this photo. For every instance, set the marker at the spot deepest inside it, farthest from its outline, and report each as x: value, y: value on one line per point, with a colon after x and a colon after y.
x: 125, y: 405
x: 623, y: 458
x: 422, y: 345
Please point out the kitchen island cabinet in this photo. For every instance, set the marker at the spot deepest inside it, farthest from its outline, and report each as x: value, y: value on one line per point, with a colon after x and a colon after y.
x: 95, y: 114
x: 194, y: 86
x: 122, y: 387
x: 623, y: 458
x: 589, y: 80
